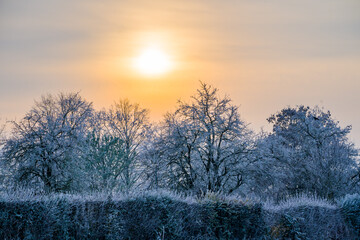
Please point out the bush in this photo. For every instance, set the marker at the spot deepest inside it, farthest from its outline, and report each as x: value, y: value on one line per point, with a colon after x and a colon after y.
x: 305, y: 217
x: 164, y: 215
x: 139, y: 217
x: 350, y: 208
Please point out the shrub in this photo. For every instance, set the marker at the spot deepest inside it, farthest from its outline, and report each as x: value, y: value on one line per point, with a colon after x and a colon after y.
x: 144, y: 216
x: 350, y: 208
x: 165, y: 215
x: 305, y: 217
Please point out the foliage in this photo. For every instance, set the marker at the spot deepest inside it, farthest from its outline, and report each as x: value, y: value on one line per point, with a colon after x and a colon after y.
x: 104, y: 161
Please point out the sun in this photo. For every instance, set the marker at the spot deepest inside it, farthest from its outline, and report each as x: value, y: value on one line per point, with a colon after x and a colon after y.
x: 153, y: 61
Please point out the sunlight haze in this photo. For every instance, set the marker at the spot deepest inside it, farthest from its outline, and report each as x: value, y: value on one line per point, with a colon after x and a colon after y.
x: 265, y: 55
x: 152, y: 61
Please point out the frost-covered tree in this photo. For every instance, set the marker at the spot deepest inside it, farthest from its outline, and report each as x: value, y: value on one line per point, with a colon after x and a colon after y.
x: 3, y: 170
x: 2, y: 137
x: 179, y: 142
x: 46, y: 146
x: 153, y: 162
x: 129, y: 123
x: 2, y: 127
x: 307, y: 151
x: 206, y: 143
x: 104, y: 161
x: 104, y: 156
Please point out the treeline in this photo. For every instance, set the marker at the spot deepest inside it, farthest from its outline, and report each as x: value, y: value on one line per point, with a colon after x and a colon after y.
x: 63, y: 145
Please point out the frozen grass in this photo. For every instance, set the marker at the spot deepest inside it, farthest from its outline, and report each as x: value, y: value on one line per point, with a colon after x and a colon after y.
x: 23, y: 195
x: 208, y: 197
x: 349, y: 199
x: 301, y: 200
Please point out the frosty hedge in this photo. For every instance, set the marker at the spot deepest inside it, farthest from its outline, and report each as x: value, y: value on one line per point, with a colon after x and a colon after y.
x: 168, y: 216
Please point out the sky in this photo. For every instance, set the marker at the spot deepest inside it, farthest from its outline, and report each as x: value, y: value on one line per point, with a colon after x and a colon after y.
x: 265, y: 55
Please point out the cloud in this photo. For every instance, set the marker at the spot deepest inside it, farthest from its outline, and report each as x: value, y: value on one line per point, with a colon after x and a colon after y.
x: 260, y: 52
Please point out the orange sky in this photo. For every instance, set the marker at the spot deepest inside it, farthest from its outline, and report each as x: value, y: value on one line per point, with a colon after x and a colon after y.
x: 264, y: 54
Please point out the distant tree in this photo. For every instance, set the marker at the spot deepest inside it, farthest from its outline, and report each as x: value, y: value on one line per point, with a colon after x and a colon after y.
x: 154, y: 165
x: 104, y: 161
x: 2, y: 127
x: 2, y: 137
x: 103, y: 157
x: 307, y: 151
x: 3, y: 169
x: 206, y: 143
x: 46, y: 146
x: 129, y: 123
x: 179, y: 142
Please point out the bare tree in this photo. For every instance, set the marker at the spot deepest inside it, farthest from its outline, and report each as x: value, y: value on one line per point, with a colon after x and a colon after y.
x: 45, y: 148
x: 4, y: 175
x: 2, y: 127
x: 207, y: 143
x: 130, y: 123
x: 153, y: 162
x: 2, y: 137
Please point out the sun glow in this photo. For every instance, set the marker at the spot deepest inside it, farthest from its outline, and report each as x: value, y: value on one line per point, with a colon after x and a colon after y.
x: 153, y: 61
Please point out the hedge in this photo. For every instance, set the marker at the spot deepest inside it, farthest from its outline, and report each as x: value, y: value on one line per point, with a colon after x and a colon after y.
x: 168, y: 216
x: 141, y: 218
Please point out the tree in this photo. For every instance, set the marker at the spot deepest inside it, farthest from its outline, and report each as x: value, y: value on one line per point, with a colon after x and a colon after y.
x: 104, y: 161
x: 154, y: 165
x: 307, y: 151
x: 207, y: 143
x: 130, y: 123
x: 3, y: 170
x: 104, y: 156
x: 46, y: 146
x: 2, y: 137
x: 179, y: 143
x: 2, y: 127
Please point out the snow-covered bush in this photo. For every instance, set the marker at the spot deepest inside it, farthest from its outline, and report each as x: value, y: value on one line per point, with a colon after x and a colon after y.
x: 132, y: 216
x: 350, y: 208
x: 167, y: 215
x: 305, y: 217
